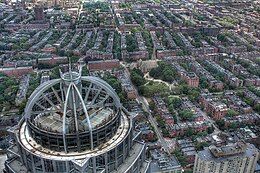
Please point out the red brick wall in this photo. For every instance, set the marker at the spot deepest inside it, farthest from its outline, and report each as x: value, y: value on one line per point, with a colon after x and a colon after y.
x: 103, y: 65
x: 17, y: 72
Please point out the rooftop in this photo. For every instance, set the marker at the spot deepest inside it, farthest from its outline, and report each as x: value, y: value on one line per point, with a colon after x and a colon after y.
x: 31, y: 145
x: 207, y: 155
x: 165, y: 163
x: 54, y: 122
x: 133, y: 156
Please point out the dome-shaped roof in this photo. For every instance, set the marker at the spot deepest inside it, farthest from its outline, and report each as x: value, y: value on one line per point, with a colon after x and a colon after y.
x: 72, y: 105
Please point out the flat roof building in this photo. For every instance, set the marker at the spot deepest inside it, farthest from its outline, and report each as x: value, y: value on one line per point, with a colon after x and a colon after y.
x: 163, y: 164
x: 237, y: 157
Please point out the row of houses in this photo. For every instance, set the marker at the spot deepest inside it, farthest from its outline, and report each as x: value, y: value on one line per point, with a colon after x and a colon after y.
x: 179, y: 129
x: 243, y: 119
x: 213, y: 106
x: 140, y: 53
x: 163, y: 111
x: 228, y: 76
x: 218, y: 105
x: 235, y: 103
x: 239, y: 70
x: 203, y: 73
x: 126, y: 84
x: 190, y: 78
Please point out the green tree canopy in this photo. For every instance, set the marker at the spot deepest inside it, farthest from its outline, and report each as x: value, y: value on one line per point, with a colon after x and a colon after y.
x: 164, y: 72
x: 175, y: 102
x: 231, y: 113
x: 186, y: 114
x: 137, y: 77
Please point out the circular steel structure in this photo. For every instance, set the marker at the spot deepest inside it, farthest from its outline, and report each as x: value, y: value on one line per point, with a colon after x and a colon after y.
x: 75, y: 124
x: 62, y: 112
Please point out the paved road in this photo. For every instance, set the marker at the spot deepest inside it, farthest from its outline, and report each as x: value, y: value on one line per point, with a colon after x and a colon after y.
x: 150, y: 117
x: 153, y: 123
x: 212, y: 122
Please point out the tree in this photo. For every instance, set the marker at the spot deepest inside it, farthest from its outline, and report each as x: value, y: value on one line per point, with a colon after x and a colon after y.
x: 186, y: 114
x: 171, y: 108
x: 85, y: 71
x: 189, y: 132
x: 16, y: 47
x: 152, y: 88
x: 249, y: 101
x: 114, y: 82
x: 116, y: 46
x: 164, y: 72
x: 8, y: 90
x: 184, y: 89
x: 182, y: 159
x: 200, y: 145
x: 221, y: 124
x: 55, y: 73
x: 137, y: 77
x: 222, y: 37
x: 175, y: 102
x: 155, y: 72
x: 74, y: 59
x: 200, y: 134
x: 203, y: 82
x: 147, y: 37
x: 231, y: 113
x: 168, y: 75
x: 254, y: 90
x: 160, y: 121
x: 33, y: 83
x: 44, y: 66
x: 257, y: 108
x: 122, y: 96
x: 193, y: 94
x: 116, y: 85
x: 21, y: 107
x: 165, y: 132
x: 210, y: 129
x: 152, y: 106
x: 131, y: 43
x: 233, y: 125
x: 240, y: 94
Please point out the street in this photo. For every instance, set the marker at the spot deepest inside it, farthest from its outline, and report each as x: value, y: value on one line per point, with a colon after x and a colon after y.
x: 153, y: 123
x: 150, y: 117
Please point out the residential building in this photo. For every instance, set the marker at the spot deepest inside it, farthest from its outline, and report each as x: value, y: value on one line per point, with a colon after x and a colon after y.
x: 38, y: 11
x: 163, y: 164
x: 190, y: 78
x: 238, y: 157
x: 103, y: 65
